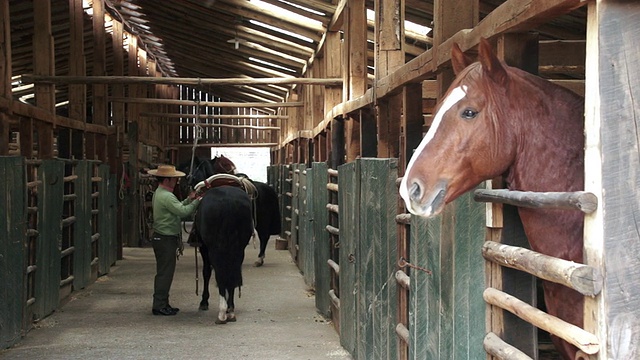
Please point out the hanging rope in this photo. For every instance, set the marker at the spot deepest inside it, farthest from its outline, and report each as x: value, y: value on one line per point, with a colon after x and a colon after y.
x: 197, y: 130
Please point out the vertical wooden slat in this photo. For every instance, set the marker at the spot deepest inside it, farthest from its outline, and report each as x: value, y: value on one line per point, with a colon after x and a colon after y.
x: 307, y: 233
x: 82, y: 226
x: 115, y: 251
x: 106, y: 241
x: 50, y: 203
x: 424, y: 300
x: 321, y: 237
x: 295, y: 208
x: 378, y: 258
x: 348, y: 198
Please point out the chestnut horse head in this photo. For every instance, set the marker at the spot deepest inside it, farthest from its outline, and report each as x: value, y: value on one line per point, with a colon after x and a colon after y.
x: 492, y: 116
x: 496, y: 120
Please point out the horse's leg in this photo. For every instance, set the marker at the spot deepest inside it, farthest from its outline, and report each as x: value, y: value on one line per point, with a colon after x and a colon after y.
x: 264, y: 239
x: 222, y: 306
x: 206, y: 275
x: 231, y: 316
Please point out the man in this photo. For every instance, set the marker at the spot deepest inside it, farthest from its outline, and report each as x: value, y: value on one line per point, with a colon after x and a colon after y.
x: 168, y: 211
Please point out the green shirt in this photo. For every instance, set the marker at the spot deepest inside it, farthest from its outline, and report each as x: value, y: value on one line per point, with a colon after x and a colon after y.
x: 168, y: 211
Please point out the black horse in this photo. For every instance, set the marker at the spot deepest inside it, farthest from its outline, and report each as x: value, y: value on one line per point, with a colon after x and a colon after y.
x: 223, y: 226
x: 266, y: 210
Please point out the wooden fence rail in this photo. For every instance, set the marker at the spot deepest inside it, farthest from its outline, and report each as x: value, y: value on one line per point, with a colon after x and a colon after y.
x: 582, y: 339
x: 585, y: 279
x: 579, y: 200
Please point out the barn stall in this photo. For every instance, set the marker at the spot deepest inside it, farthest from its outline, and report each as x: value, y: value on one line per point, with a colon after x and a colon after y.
x: 98, y: 92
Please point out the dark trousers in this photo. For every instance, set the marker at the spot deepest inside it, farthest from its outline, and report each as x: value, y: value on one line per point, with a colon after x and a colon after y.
x: 164, y: 247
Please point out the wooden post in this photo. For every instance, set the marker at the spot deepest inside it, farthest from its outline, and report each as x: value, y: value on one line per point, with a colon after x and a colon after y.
x: 77, y: 65
x: 43, y: 64
x: 355, y: 32
x: 115, y: 140
x: 519, y: 50
x: 5, y: 73
x: 389, y: 56
x: 410, y: 136
x: 612, y: 242
x: 99, y: 100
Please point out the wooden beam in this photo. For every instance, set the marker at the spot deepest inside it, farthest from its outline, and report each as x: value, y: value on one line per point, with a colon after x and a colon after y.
x: 211, y: 104
x: 226, y: 145
x: 143, y: 80
x: 254, y: 127
x: 204, y: 116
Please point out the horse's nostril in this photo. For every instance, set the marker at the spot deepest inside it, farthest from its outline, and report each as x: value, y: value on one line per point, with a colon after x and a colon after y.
x: 415, y: 191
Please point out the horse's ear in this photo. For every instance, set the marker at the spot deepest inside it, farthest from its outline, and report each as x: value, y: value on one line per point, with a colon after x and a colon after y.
x: 459, y: 60
x: 491, y: 64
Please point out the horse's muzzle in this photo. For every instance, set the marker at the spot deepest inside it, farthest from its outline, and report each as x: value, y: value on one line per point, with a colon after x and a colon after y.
x: 421, y: 202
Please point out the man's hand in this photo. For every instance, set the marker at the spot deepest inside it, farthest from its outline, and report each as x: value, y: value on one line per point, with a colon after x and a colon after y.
x: 194, y: 195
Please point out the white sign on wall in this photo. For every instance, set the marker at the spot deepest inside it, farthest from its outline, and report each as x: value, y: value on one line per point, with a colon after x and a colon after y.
x: 252, y: 161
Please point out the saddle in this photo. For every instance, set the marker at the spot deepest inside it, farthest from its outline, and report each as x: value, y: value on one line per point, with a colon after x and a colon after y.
x: 223, y: 180
x: 227, y: 180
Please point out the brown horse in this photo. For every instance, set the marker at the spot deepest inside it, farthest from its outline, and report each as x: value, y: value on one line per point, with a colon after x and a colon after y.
x: 499, y: 120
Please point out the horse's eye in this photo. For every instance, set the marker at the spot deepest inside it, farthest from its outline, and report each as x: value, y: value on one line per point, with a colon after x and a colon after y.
x: 469, y: 113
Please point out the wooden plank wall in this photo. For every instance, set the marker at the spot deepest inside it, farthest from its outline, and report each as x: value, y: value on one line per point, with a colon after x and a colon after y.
x: 322, y: 250
x: 107, y: 220
x: 446, y: 307
x: 82, y: 227
x: 13, y: 208
x: 295, y: 211
x: 306, y: 239
x: 348, y: 196
x: 50, y: 192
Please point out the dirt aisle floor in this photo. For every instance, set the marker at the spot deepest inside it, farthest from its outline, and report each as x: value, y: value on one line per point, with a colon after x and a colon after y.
x: 111, y: 319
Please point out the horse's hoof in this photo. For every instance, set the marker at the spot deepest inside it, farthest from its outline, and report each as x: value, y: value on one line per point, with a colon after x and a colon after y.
x: 231, y: 318
x: 220, y: 322
x: 204, y: 307
x: 258, y: 263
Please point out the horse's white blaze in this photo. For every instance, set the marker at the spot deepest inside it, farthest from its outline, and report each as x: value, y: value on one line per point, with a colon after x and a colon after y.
x: 222, y: 309
x: 454, y: 97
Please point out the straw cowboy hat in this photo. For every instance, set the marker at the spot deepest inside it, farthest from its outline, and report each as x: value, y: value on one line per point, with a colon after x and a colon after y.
x: 166, y: 171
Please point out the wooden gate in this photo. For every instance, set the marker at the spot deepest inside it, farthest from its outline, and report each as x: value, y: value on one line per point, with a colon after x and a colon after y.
x: 447, y: 313
x: 368, y: 258
x: 51, y: 240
